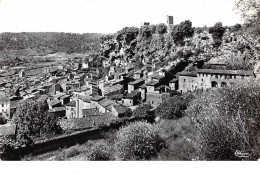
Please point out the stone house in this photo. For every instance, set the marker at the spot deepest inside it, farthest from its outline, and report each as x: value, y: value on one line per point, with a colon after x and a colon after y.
x: 156, y: 99
x: 210, y: 78
x: 135, y: 85
x: 132, y: 99
x: 121, y: 111
x: 71, y: 110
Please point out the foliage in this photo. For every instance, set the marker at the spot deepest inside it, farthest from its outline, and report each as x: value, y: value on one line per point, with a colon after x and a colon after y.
x: 161, y: 28
x: 184, y: 29
x: 100, y: 151
x: 68, y: 153
x: 250, y: 13
x: 227, y: 120
x: 217, y: 32
x: 143, y: 111
x: 138, y: 141
x: 178, y: 135
x: 33, y: 120
x: 171, y: 109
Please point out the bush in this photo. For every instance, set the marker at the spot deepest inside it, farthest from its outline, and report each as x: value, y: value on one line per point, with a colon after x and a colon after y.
x: 171, y: 109
x: 100, y: 151
x: 138, y: 141
x: 228, y: 120
x: 69, y: 152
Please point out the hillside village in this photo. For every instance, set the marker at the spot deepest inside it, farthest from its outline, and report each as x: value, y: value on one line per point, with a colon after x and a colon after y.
x: 133, y: 75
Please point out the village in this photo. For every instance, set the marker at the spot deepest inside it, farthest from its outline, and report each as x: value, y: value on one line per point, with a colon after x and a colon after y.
x: 171, y: 90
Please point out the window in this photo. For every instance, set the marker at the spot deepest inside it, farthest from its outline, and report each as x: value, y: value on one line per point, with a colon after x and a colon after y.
x: 234, y: 76
x: 152, y: 102
x: 183, y: 80
x: 2, y: 105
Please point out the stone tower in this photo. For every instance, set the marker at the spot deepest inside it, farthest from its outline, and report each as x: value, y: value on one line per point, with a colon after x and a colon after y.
x: 169, y: 23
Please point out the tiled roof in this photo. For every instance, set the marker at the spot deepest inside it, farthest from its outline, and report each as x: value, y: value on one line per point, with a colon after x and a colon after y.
x: 54, y: 102
x: 97, y: 98
x: 71, y: 104
x: 57, y: 109
x: 174, y: 80
x: 230, y: 72
x: 152, y: 83
x: 4, y: 95
x: 131, y: 95
x: 120, y: 109
x: 137, y: 81
x: 7, y: 130
x: 113, y: 88
x: 191, y: 74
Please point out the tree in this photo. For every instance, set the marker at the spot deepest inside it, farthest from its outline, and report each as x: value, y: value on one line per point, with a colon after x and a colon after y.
x: 227, y: 120
x: 143, y: 112
x: 33, y: 120
x: 217, y: 32
x: 138, y: 141
x: 171, y: 109
x: 161, y: 28
x: 250, y: 13
x: 184, y: 29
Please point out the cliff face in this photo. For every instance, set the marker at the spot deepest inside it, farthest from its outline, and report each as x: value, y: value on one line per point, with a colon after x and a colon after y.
x: 168, y: 47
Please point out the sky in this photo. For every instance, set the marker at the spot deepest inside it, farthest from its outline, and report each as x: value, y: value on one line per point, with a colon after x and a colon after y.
x: 109, y: 16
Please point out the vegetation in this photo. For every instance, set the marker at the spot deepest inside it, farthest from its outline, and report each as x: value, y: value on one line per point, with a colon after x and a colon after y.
x: 217, y: 32
x: 138, y: 141
x: 143, y: 112
x: 227, y: 121
x: 171, y: 109
x: 32, y: 121
x: 100, y: 151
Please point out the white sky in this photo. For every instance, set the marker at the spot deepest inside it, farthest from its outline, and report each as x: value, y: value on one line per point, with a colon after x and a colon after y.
x: 108, y: 16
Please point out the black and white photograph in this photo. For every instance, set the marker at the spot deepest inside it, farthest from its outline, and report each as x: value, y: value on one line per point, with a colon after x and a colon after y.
x: 129, y: 80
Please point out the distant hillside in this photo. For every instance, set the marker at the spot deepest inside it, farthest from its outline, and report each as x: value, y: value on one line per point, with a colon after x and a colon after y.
x: 40, y: 42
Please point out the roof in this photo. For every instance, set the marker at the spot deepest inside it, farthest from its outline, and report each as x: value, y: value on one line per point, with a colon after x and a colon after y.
x: 54, y: 102
x: 137, y: 81
x: 97, y: 98
x: 143, y: 86
x: 174, y: 80
x: 65, y: 96
x: 152, y: 83
x: 7, y: 130
x: 157, y: 76
x: 4, y: 95
x: 191, y: 74
x: 105, y: 103
x: 85, y: 98
x: 71, y: 104
x: 131, y: 95
x: 120, y: 109
x: 230, y: 72
x: 113, y: 88
x: 92, y: 111
x: 116, y: 96
x: 57, y: 109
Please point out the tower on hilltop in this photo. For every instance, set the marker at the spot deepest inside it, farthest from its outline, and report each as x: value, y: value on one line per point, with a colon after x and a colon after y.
x: 169, y: 23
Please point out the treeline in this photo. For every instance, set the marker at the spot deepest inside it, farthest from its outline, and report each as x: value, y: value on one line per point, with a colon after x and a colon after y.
x: 55, y: 42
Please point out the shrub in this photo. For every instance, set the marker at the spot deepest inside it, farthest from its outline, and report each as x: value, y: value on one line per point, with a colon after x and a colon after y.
x: 228, y: 120
x: 69, y: 152
x: 138, y: 141
x: 100, y: 151
x: 171, y: 109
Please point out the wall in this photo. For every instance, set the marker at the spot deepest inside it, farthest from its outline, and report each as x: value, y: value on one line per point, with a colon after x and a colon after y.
x: 67, y: 140
x: 5, y: 108
x: 187, y: 83
x: 156, y: 99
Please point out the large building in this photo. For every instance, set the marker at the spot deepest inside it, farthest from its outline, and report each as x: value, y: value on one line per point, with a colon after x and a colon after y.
x: 210, y: 78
